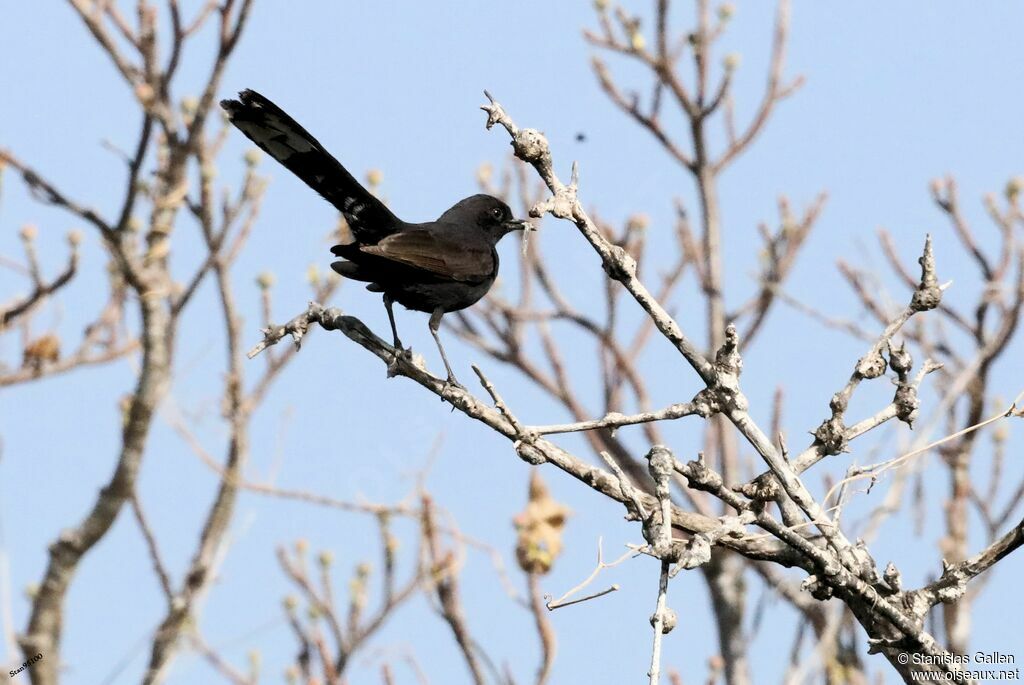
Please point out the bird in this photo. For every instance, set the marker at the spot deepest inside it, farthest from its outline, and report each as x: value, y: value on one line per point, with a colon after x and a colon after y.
x: 435, y: 267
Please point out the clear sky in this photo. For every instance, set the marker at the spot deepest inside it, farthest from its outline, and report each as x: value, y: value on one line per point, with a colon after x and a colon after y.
x: 896, y: 95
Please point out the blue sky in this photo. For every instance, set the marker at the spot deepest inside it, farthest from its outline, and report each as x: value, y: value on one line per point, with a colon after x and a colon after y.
x: 895, y: 96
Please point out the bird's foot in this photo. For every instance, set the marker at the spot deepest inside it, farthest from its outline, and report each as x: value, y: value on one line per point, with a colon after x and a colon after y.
x: 399, y: 355
x: 449, y: 385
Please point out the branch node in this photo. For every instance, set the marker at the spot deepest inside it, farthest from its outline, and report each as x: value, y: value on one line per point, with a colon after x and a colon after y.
x: 669, y: 619
x: 928, y: 293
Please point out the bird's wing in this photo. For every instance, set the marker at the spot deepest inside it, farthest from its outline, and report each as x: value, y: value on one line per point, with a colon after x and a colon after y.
x: 439, y: 254
x: 281, y: 137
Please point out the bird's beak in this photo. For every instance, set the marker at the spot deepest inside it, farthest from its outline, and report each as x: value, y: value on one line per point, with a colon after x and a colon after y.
x: 518, y: 225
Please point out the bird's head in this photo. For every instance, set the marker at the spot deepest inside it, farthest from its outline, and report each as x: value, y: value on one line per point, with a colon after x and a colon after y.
x: 488, y: 213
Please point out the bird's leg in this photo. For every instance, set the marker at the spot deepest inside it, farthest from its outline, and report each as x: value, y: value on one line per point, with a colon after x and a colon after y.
x: 435, y: 323
x: 399, y: 350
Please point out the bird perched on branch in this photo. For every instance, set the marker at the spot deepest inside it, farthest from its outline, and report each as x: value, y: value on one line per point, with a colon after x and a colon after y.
x: 436, y: 267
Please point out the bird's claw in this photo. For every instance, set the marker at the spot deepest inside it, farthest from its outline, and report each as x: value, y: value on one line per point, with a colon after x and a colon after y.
x: 398, y: 355
x: 451, y: 384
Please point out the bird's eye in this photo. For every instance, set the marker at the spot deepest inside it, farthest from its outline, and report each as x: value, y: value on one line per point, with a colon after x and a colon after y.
x: 497, y: 213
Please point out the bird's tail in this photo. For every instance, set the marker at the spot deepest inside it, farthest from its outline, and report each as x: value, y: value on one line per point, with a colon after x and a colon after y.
x: 281, y: 137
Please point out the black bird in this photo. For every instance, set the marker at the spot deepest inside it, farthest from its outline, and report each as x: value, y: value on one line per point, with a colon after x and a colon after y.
x: 437, y: 267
